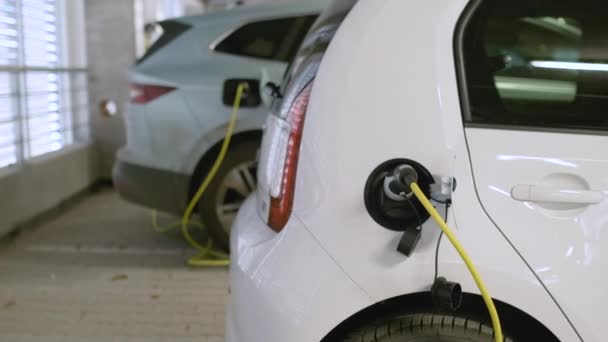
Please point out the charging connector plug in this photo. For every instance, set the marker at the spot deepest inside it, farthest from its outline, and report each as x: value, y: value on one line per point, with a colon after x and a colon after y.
x: 397, y: 186
x: 446, y: 295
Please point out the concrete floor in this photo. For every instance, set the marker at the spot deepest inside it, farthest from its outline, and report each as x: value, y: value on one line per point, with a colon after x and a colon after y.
x: 100, y: 273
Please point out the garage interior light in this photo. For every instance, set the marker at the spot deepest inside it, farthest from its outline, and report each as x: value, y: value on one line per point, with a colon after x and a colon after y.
x: 570, y: 65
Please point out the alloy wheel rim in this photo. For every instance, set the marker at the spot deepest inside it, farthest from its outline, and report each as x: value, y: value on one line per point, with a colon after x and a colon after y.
x: 236, y: 186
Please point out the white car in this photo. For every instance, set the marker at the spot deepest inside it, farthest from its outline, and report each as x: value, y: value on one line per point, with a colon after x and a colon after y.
x: 500, y: 106
x: 183, y: 90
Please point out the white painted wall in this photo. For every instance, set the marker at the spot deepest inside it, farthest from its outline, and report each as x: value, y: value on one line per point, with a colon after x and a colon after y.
x: 74, y: 31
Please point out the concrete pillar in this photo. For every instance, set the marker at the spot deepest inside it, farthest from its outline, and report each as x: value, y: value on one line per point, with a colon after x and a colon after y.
x: 111, y: 51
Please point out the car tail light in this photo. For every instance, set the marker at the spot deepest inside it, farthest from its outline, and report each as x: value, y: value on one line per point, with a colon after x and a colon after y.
x: 144, y: 93
x: 280, y: 159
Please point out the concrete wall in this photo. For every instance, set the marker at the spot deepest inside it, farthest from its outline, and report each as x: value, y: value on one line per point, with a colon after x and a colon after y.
x: 111, y: 51
x: 43, y: 183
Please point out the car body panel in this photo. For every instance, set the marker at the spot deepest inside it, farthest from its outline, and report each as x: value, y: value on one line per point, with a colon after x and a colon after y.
x: 569, y: 260
x: 329, y: 195
x: 292, y: 288
x: 406, y: 106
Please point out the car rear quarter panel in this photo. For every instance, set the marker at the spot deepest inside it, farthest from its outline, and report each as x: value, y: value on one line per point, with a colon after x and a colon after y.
x: 387, y: 89
x: 284, y: 287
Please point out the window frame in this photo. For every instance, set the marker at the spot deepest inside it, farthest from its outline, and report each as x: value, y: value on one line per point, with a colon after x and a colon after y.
x: 221, y: 38
x: 72, y: 93
x: 463, y: 92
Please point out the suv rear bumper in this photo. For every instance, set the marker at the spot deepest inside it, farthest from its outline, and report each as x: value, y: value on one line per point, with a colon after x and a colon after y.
x: 154, y: 188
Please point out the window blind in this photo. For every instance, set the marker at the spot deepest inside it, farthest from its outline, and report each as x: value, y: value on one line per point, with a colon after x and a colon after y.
x: 42, y: 101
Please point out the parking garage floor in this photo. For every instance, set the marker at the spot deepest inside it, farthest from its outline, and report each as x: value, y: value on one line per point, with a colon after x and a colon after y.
x: 98, y: 272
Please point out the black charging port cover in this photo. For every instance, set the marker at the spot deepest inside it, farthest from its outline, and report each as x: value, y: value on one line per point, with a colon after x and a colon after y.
x: 396, y: 215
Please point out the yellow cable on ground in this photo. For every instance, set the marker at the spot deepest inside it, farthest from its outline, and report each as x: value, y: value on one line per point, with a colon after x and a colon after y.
x: 171, y: 226
x: 465, y: 257
x: 207, y: 257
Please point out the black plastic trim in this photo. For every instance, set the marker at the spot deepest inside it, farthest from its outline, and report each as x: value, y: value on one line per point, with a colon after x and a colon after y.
x: 523, y: 128
x: 153, y: 188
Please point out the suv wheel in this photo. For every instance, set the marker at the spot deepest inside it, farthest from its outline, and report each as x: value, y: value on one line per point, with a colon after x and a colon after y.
x: 234, y: 181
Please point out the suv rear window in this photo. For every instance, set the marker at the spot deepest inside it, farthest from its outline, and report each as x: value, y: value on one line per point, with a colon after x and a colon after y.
x: 275, y: 39
x: 170, y: 31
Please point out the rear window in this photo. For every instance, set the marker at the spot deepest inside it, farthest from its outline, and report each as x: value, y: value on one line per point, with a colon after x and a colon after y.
x: 275, y: 39
x: 170, y: 31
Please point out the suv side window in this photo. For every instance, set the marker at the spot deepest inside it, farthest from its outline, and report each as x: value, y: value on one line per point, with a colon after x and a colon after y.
x: 536, y: 63
x: 276, y: 39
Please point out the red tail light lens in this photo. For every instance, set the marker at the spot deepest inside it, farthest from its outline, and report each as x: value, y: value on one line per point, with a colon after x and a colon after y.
x: 281, y: 201
x: 144, y: 93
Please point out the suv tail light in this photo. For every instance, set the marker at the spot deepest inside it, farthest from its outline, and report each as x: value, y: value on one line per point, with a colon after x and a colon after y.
x: 144, y: 93
x: 279, y: 161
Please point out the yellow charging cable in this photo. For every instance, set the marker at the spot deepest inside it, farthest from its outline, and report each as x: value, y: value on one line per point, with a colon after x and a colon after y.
x: 159, y: 228
x: 207, y: 256
x: 465, y: 257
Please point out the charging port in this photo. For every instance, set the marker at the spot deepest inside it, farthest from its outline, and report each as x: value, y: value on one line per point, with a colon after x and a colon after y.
x: 388, y: 208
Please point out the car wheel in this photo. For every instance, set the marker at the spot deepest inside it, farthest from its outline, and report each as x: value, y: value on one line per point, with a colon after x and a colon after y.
x: 425, y: 328
x: 235, y: 180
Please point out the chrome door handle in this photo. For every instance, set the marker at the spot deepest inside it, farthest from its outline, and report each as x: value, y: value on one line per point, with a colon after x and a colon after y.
x: 539, y: 193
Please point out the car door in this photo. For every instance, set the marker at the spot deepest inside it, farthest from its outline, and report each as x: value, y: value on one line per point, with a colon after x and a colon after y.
x: 534, y: 86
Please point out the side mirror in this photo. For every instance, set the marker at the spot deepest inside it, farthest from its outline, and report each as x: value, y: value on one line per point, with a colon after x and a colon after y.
x: 251, y: 97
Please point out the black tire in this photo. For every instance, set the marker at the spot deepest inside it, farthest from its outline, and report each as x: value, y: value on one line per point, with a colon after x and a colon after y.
x: 238, y: 154
x: 425, y: 328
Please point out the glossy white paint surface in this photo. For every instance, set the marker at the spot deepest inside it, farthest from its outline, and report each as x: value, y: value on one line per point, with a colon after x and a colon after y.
x: 387, y: 89
x: 562, y: 242
x: 284, y: 287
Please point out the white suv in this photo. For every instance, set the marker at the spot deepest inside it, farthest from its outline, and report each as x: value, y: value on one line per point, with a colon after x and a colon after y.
x: 183, y: 90
x: 500, y: 106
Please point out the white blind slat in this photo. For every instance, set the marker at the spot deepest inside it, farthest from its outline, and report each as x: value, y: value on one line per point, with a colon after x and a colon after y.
x: 9, y: 37
x: 38, y: 108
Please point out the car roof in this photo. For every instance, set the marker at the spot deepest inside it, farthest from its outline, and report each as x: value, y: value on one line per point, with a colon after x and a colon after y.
x: 251, y: 12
